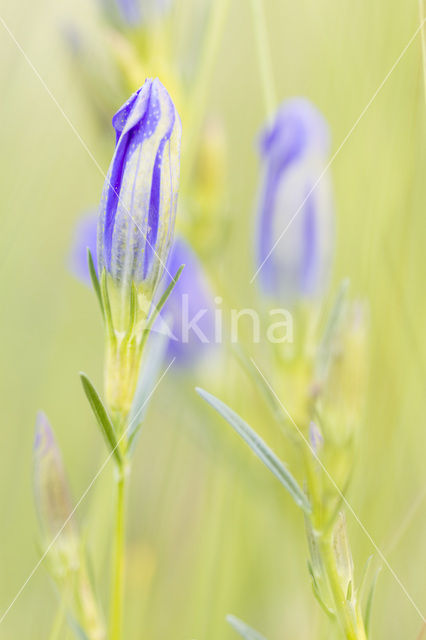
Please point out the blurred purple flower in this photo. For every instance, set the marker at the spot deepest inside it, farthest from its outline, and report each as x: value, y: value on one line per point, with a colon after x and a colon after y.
x: 191, y: 301
x: 135, y: 12
x: 294, y: 152
x: 139, y: 199
x: 85, y: 237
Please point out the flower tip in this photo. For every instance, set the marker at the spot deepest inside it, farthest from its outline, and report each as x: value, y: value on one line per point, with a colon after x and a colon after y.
x: 43, y: 436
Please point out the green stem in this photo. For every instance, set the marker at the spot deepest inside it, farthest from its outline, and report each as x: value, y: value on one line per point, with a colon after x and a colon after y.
x: 349, y: 626
x: 117, y: 593
x: 264, y: 56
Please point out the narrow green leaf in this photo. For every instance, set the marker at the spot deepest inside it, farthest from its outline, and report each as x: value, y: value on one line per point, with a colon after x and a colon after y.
x: 316, y: 591
x: 161, y: 303
x: 243, y: 629
x: 263, y: 452
x: 95, y: 280
x: 107, y: 305
x: 101, y: 416
x: 270, y: 398
x: 369, y: 604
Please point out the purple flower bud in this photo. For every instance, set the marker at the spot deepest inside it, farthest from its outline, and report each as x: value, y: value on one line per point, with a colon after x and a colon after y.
x: 52, y: 496
x: 138, y: 206
x: 189, y: 310
x: 135, y: 12
x: 315, y: 437
x: 296, y: 205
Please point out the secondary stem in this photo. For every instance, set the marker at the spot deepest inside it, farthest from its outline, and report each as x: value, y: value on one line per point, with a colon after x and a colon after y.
x: 117, y: 594
x: 264, y: 56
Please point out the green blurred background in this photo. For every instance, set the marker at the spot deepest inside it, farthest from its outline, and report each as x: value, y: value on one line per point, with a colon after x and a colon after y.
x: 211, y: 532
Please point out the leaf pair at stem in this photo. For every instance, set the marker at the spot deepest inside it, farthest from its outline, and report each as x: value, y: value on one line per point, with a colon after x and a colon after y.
x: 119, y: 440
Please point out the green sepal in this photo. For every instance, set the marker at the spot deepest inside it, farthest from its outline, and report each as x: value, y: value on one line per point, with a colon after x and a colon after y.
x: 95, y: 280
x: 243, y: 629
x: 148, y: 377
x: 161, y: 303
x: 107, y: 305
x: 260, y: 448
x: 260, y: 382
x: 102, y: 417
x: 316, y: 591
x: 369, y: 603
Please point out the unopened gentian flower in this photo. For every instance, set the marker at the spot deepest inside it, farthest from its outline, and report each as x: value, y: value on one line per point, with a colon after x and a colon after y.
x: 295, y: 234
x: 135, y: 228
x: 67, y: 563
x: 189, y: 310
x: 52, y: 495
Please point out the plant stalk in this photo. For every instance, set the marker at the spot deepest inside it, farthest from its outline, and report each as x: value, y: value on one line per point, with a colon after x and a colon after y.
x: 117, y: 591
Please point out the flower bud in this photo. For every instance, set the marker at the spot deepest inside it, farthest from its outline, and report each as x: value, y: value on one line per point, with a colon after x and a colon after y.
x: 133, y: 13
x: 139, y: 200
x: 52, y: 497
x: 135, y: 230
x: 60, y: 531
x: 296, y: 217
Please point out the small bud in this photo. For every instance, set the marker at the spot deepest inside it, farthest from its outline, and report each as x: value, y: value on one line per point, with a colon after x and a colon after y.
x: 52, y: 497
x: 60, y: 532
x: 133, y: 13
x: 342, y: 554
x: 315, y: 437
x: 296, y: 215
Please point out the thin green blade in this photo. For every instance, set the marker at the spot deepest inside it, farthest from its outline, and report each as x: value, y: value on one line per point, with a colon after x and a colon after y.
x: 101, y: 416
x: 95, y: 280
x: 152, y: 362
x: 243, y: 629
x: 162, y: 302
x: 260, y: 448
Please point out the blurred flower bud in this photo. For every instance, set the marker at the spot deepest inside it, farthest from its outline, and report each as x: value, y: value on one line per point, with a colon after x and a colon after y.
x: 52, y: 497
x: 133, y: 13
x: 342, y: 553
x: 138, y: 207
x: 295, y: 235
x: 60, y: 532
x: 315, y: 437
x: 189, y: 310
x: 208, y: 221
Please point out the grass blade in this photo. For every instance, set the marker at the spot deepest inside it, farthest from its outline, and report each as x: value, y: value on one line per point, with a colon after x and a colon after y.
x: 260, y: 448
x: 161, y: 303
x: 243, y: 629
